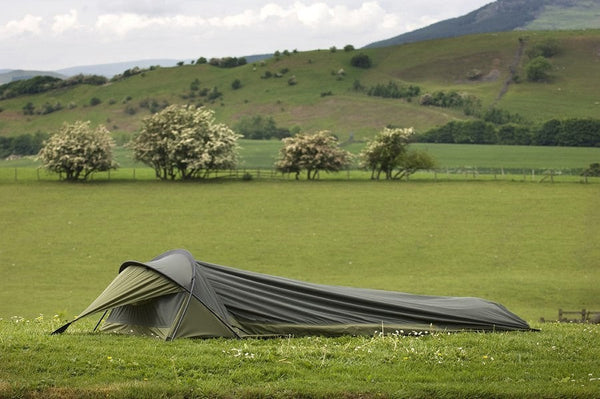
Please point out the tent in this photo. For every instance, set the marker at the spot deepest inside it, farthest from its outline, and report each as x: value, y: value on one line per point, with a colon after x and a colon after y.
x: 176, y: 296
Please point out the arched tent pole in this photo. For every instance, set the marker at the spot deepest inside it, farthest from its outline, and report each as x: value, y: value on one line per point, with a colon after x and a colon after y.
x: 182, y: 315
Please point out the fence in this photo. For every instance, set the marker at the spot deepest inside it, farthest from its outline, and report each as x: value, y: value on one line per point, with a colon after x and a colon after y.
x: 576, y: 316
x: 25, y: 174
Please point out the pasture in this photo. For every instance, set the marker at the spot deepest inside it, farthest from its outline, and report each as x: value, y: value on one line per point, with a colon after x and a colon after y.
x: 532, y: 247
x: 261, y: 154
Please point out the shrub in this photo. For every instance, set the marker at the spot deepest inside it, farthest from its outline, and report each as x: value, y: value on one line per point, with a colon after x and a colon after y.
x: 195, y: 85
x: 130, y: 109
x: 48, y: 108
x: 361, y: 61
x: 547, y: 49
x: 392, y: 90
x: 537, y: 69
x: 28, y: 109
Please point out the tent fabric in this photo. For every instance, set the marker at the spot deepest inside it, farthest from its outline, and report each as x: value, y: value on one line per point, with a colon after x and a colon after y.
x: 176, y: 296
x: 134, y: 285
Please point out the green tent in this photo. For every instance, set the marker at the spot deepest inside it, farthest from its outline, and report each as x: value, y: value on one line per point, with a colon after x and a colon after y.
x: 176, y: 296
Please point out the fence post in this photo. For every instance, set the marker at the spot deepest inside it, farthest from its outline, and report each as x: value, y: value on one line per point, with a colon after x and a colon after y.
x: 15, y: 174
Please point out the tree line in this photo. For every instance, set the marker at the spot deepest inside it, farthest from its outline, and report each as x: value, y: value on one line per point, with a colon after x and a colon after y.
x: 185, y: 142
x: 25, y: 144
x: 41, y: 84
x: 573, y: 132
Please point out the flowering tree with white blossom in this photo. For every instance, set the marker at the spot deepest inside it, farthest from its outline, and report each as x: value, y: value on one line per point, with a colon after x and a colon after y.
x: 78, y: 150
x: 313, y: 153
x: 388, y: 153
x: 184, y: 141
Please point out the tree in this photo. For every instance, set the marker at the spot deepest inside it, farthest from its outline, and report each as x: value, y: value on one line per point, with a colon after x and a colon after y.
x: 592, y: 170
x: 361, y: 61
x: 78, y: 150
x: 537, y: 69
x: 185, y: 141
x: 387, y: 153
x: 547, y: 48
x: 28, y: 109
x: 313, y: 153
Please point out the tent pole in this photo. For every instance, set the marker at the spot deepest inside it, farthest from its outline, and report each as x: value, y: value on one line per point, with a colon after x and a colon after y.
x: 187, y: 304
x: 97, y: 324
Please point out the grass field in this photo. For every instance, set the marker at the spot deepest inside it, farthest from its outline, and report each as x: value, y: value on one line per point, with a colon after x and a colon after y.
x: 531, y: 247
x: 262, y: 154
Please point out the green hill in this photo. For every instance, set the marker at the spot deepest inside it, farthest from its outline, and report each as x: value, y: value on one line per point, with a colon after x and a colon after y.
x: 324, y: 95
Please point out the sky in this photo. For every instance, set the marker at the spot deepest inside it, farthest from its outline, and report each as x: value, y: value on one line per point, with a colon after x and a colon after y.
x: 56, y: 34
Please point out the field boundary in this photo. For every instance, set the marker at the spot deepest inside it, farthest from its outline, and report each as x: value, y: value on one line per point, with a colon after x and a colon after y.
x: 534, y: 175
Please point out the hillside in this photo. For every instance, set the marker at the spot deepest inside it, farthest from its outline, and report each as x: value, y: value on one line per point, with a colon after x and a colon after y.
x: 324, y: 95
x: 508, y: 15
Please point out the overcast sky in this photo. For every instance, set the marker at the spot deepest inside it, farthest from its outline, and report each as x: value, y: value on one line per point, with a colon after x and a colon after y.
x: 54, y: 34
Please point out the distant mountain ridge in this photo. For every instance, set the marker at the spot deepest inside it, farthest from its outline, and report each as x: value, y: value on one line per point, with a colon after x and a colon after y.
x: 508, y: 15
x: 108, y: 70
x: 8, y: 75
x: 111, y: 69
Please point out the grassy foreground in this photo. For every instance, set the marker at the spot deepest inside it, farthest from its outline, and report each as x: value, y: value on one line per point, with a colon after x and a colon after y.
x: 532, y: 247
x: 559, y: 361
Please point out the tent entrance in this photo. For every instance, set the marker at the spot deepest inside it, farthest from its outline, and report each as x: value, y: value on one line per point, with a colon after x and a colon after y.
x: 142, y: 301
